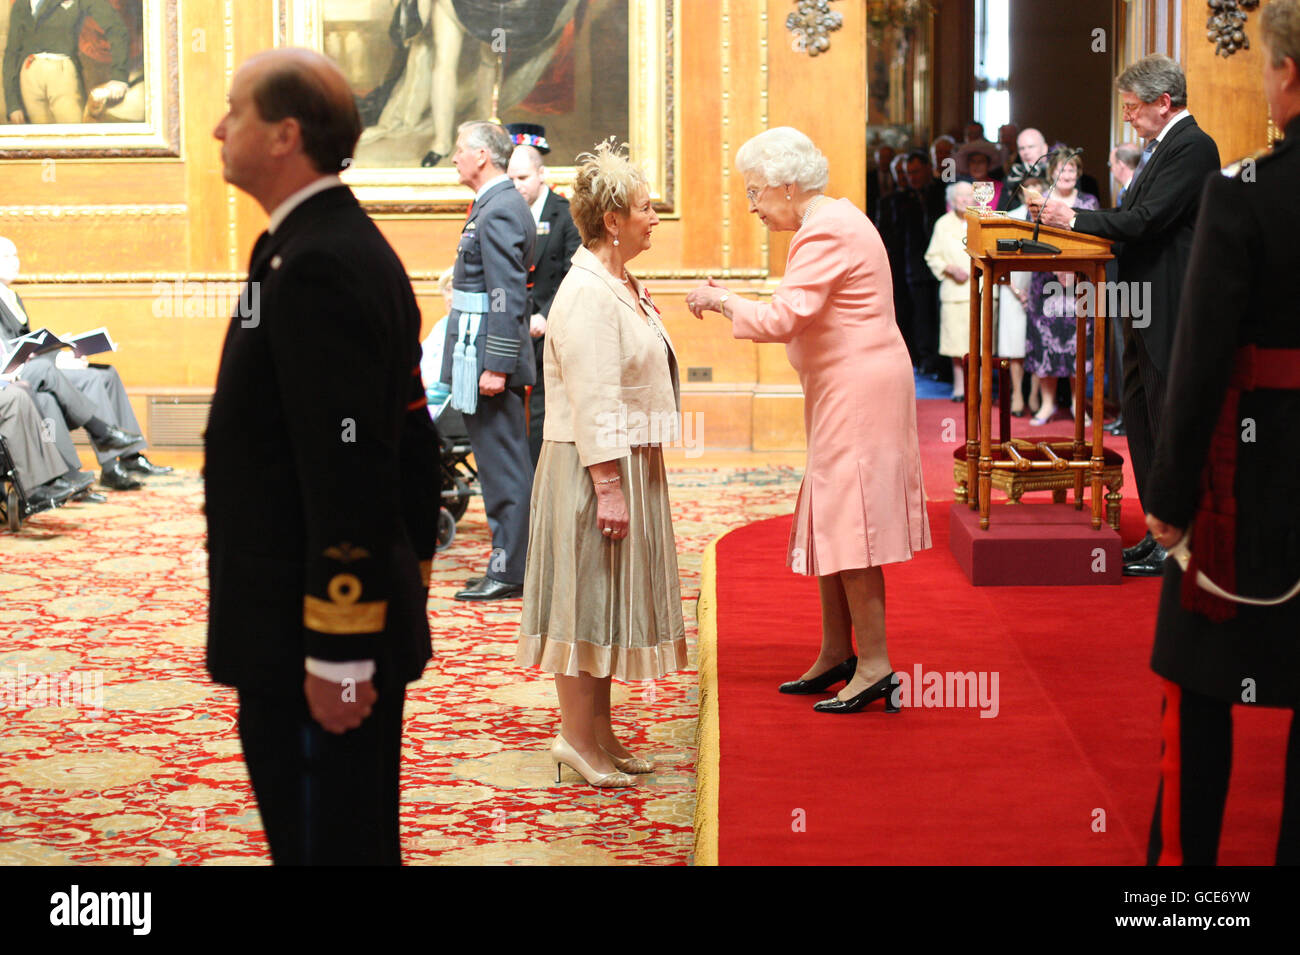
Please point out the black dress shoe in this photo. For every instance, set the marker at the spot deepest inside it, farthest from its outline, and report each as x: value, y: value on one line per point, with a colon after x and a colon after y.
x: 818, y: 684
x: 114, y: 439
x: 489, y: 589
x: 1140, y: 549
x: 44, y: 496
x: 142, y: 465
x: 882, y: 688
x: 1116, y: 427
x: 89, y: 497
x: 431, y: 159
x: 60, y: 490
x: 80, y: 480
x: 114, y: 476
x: 1152, y: 565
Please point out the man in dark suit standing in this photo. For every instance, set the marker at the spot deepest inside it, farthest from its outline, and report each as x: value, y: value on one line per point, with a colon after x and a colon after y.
x: 318, y: 563
x: 557, y: 240
x: 889, y: 222
x: 918, y: 208
x: 1153, y: 229
x: 488, y: 356
x: 1225, y: 467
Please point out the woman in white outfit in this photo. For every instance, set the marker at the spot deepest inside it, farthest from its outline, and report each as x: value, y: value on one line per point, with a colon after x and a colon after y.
x: 950, y: 262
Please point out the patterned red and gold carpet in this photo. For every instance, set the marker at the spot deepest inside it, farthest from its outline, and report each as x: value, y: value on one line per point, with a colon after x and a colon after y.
x: 116, y: 748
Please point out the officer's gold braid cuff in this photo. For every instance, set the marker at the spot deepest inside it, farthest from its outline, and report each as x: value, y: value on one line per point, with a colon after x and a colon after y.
x: 344, y: 612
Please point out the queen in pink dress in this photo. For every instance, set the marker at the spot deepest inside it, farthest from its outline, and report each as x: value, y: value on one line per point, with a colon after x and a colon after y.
x: 862, y: 501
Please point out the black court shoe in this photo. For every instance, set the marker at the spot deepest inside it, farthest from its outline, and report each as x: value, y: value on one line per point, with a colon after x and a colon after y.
x: 882, y: 688
x: 818, y: 684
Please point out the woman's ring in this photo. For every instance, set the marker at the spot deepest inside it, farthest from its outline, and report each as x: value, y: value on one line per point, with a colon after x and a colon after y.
x: 608, y: 531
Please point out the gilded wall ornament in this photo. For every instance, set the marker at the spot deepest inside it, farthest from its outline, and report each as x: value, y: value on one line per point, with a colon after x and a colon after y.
x: 812, y: 24
x: 1226, y: 25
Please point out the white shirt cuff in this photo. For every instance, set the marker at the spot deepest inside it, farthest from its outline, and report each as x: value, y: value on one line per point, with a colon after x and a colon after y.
x: 1072, y: 218
x: 337, y: 672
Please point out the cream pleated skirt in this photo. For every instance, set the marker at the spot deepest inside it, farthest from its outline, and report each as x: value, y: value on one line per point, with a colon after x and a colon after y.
x: 594, y: 605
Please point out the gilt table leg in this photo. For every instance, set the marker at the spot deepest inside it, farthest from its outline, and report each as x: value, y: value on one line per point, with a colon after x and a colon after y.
x: 986, y: 397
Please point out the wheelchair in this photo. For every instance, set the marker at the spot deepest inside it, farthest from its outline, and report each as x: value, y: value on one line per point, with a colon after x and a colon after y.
x: 14, y: 504
x: 459, y: 478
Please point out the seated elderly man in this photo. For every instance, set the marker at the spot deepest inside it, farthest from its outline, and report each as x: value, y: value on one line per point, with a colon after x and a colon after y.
x: 42, y: 473
x: 92, y: 398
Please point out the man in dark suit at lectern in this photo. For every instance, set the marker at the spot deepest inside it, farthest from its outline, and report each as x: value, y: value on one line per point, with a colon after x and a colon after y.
x: 557, y: 240
x: 318, y: 563
x: 1153, y: 231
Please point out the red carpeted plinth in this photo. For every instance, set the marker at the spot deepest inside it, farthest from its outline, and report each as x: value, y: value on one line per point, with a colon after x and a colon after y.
x: 1037, y: 545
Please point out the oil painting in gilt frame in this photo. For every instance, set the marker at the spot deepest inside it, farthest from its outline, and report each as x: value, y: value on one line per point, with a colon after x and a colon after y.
x: 90, y: 79
x: 584, y: 69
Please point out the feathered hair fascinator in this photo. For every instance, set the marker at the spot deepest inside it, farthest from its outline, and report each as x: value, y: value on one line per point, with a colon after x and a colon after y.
x: 608, y: 175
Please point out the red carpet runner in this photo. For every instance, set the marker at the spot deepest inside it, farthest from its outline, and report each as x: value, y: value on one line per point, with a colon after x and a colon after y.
x: 1064, y: 773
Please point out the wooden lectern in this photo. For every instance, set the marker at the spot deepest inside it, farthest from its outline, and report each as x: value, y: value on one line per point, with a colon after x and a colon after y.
x: 989, y: 267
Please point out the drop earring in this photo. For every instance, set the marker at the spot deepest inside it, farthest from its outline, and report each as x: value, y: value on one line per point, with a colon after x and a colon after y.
x: 616, y: 241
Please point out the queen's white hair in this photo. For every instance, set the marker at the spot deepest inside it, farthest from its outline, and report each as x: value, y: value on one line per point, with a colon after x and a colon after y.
x: 784, y: 156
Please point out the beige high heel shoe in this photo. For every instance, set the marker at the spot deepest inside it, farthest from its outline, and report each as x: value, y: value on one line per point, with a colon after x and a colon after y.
x: 631, y: 764
x: 566, y: 755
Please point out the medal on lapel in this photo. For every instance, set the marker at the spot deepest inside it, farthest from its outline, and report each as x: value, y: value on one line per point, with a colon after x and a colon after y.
x: 646, y: 293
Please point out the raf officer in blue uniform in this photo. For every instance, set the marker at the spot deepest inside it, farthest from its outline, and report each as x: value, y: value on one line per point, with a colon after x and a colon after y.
x: 488, y: 355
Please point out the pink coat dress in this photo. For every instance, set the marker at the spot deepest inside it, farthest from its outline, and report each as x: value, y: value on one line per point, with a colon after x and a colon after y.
x: 862, y: 501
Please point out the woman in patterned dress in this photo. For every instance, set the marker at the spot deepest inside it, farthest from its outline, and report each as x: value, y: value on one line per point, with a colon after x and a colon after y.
x: 1050, y: 329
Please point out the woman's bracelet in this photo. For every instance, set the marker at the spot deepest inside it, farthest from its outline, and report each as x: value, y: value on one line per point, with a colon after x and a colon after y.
x: 613, y: 480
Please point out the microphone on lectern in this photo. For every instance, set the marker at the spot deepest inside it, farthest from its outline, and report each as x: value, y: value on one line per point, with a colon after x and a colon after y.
x: 1033, y: 246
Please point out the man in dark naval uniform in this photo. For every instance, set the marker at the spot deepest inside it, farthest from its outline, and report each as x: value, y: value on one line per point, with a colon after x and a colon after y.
x: 557, y: 240
x: 1225, y: 467
x: 319, y: 562
x: 487, y: 355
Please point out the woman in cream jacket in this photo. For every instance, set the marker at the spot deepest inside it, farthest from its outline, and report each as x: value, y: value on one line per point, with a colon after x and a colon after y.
x: 601, y: 591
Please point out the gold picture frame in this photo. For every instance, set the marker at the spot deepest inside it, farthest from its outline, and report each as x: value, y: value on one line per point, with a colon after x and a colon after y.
x: 393, y: 188
x: 154, y: 83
